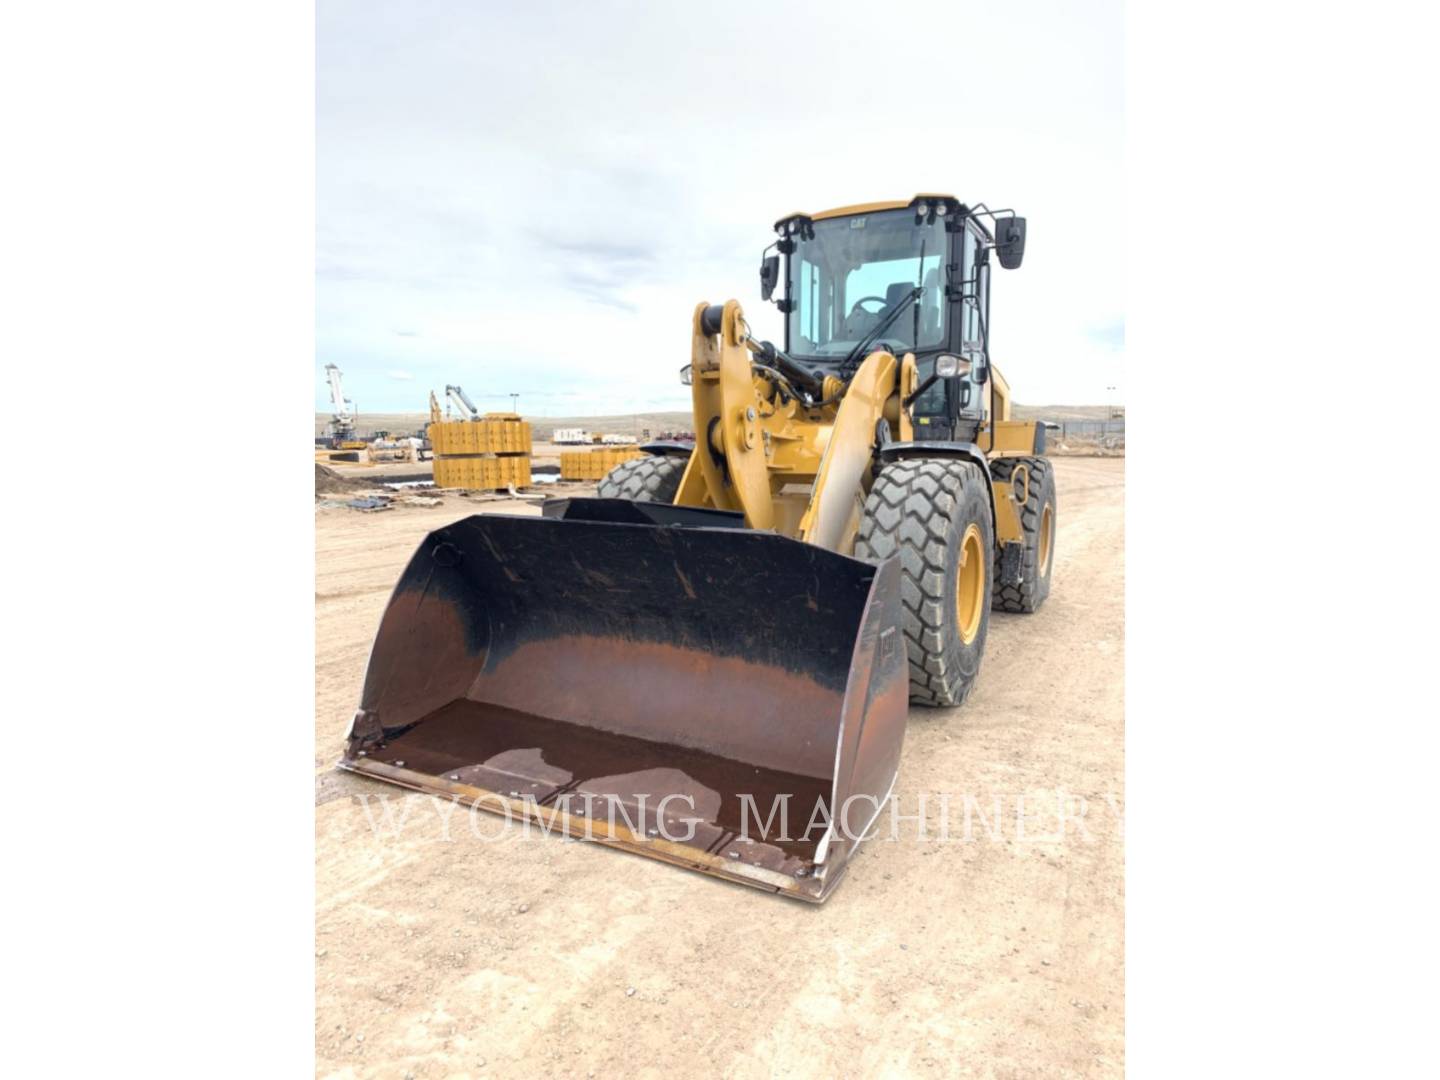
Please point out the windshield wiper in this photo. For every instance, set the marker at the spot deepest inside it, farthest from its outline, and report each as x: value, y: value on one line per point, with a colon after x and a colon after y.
x: 884, y: 324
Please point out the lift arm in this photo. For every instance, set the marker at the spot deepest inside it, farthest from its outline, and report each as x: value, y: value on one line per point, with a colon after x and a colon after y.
x: 758, y: 448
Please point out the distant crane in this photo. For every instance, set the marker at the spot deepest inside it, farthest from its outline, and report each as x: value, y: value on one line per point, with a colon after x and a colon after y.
x: 462, y: 402
x: 341, y: 428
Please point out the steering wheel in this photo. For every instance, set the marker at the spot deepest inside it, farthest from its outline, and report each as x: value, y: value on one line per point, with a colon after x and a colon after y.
x: 865, y: 300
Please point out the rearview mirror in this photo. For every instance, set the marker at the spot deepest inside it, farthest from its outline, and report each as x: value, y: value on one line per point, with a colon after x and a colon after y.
x: 769, y: 276
x: 1010, y: 241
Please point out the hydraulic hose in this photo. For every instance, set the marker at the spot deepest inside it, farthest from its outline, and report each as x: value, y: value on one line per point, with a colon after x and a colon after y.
x: 800, y: 377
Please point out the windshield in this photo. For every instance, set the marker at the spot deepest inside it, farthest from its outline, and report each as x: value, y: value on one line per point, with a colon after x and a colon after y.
x: 856, y: 272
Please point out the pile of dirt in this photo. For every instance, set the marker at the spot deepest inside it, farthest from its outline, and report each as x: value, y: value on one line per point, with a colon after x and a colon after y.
x: 329, y: 482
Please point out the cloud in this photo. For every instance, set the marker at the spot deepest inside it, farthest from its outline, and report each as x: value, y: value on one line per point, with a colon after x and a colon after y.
x: 600, y: 288
x: 548, y: 245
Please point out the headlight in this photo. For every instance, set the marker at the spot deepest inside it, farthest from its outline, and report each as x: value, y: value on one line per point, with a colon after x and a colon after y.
x: 947, y: 367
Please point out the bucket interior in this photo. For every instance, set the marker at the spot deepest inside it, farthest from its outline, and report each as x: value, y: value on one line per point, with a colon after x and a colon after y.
x: 682, y: 686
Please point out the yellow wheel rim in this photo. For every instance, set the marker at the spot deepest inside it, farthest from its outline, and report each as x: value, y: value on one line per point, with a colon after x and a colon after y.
x: 970, y: 596
x: 1047, y: 532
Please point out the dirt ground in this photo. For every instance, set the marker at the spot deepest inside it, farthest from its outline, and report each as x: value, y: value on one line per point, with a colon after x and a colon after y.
x: 443, y: 953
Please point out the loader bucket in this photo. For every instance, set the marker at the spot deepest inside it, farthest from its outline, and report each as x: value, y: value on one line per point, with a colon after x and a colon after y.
x: 657, y: 678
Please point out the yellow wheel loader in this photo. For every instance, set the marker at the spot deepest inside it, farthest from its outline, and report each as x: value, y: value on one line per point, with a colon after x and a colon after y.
x: 711, y: 662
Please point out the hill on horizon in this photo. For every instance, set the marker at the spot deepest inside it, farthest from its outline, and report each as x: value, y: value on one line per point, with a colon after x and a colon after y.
x: 633, y: 423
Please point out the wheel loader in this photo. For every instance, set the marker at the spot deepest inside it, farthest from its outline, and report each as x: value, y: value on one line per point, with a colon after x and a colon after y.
x: 712, y: 662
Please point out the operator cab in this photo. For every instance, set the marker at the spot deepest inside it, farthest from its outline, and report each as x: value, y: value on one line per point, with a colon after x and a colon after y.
x: 904, y: 277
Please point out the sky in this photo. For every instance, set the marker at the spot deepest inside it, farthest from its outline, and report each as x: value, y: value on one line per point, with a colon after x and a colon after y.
x: 531, y: 198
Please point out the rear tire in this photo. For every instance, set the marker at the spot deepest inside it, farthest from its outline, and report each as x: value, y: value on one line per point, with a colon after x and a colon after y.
x: 930, y: 513
x: 653, y: 478
x: 1037, y: 521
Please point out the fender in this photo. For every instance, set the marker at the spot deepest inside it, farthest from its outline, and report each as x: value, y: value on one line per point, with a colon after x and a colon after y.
x: 668, y: 448
x: 897, y: 451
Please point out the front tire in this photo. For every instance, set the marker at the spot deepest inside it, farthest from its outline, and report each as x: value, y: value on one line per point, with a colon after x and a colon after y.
x: 653, y: 478
x: 935, y: 516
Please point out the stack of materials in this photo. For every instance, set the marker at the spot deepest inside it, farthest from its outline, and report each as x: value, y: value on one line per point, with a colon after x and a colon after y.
x: 488, y: 454
x: 593, y: 464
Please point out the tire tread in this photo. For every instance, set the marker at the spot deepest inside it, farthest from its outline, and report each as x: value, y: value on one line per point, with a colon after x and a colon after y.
x: 653, y: 478
x: 1026, y: 597
x: 908, y: 514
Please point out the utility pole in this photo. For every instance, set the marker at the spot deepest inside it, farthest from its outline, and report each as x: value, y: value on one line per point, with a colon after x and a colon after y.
x: 514, y: 403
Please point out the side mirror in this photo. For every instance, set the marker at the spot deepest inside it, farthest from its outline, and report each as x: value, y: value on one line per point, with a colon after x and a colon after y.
x: 769, y: 276
x: 1010, y: 241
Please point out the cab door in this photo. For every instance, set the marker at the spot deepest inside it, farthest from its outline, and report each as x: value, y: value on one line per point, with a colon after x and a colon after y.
x: 965, y: 395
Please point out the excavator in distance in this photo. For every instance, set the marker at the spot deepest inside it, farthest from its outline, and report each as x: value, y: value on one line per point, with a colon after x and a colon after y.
x: 711, y: 663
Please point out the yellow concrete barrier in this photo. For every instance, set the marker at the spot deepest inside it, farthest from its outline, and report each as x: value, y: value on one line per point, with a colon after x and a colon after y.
x: 490, y: 453
x: 593, y: 464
